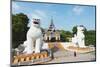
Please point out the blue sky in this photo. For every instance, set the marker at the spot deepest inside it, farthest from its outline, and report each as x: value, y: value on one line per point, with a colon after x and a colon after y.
x: 64, y: 16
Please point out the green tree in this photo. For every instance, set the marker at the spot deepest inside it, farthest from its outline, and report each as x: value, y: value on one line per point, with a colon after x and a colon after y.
x: 68, y: 34
x: 65, y: 35
x: 74, y: 29
x: 19, y: 28
x: 90, y: 37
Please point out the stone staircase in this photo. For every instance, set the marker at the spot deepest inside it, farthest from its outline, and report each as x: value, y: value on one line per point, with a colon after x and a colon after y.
x: 30, y: 59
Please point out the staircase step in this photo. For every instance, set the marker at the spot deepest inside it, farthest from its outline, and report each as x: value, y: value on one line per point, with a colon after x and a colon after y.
x: 26, y: 58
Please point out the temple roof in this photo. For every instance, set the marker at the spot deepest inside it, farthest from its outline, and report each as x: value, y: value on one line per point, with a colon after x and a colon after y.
x: 52, y: 26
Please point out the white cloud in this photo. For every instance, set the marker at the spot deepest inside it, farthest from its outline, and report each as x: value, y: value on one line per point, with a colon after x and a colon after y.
x: 15, y: 6
x: 78, y: 10
x: 36, y: 16
x: 39, y: 14
x: 54, y: 12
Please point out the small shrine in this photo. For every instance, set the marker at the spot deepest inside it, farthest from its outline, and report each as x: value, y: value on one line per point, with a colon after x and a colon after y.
x: 52, y: 34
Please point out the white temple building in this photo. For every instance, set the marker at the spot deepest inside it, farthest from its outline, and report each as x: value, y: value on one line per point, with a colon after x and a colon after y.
x: 51, y: 34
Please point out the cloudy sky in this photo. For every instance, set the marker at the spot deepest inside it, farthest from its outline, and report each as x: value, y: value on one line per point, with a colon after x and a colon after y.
x: 64, y: 16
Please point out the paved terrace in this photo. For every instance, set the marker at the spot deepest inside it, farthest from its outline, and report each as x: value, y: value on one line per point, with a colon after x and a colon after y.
x: 61, y: 55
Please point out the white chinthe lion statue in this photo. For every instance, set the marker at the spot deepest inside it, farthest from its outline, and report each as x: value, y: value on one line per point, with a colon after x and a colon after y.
x: 34, y: 40
x: 79, y: 37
